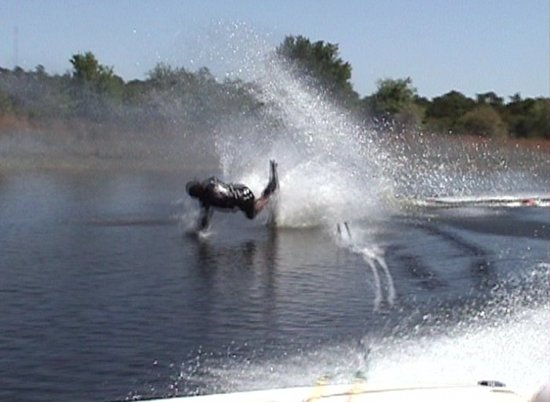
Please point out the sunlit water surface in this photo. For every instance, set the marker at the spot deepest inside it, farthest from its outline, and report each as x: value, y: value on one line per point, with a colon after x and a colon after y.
x: 105, y: 295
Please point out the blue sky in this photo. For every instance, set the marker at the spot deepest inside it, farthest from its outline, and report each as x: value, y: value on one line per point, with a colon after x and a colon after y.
x: 472, y: 46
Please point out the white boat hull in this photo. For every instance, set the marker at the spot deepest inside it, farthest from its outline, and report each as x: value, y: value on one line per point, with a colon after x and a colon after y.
x: 362, y: 392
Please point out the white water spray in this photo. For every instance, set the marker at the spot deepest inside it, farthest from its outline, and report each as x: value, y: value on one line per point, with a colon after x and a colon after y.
x: 373, y: 255
x: 333, y: 170
x: 329, y: 165
x: 505, y: 341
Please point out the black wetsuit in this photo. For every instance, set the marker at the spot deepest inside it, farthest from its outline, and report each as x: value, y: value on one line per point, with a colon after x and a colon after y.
x: 213, y: 193
x: 228, y: 196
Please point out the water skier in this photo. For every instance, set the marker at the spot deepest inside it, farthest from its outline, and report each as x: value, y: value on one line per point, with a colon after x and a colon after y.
x: 213, y: 193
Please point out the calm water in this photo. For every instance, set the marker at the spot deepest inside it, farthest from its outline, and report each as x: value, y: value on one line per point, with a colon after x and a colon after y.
x: 105, y: 296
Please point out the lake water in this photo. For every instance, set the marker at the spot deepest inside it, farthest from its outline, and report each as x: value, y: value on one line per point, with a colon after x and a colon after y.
x: 105, y: 294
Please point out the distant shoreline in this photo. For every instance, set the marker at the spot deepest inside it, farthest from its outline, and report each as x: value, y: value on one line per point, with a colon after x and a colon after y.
x: 80, y: 146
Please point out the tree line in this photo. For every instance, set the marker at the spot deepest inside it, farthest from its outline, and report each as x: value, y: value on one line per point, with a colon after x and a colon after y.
x: 195, y: 101
x: 92, y: 92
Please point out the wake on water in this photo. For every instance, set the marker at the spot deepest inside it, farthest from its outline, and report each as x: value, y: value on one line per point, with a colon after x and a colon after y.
x: 334, y: 170
x: 507, y: 342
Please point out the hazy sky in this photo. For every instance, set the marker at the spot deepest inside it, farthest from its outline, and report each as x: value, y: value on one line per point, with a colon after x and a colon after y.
x: 472, y: 46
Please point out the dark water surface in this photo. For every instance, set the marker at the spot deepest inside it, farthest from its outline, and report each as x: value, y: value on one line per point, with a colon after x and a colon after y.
x: 104, y: 296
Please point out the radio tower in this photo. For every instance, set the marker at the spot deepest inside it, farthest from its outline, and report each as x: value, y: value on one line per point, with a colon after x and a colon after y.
x: 16, y: 46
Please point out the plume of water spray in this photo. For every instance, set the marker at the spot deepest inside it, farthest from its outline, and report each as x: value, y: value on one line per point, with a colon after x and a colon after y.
x: 333, y: 170
x: 507, y: 341
x: 330, y: 166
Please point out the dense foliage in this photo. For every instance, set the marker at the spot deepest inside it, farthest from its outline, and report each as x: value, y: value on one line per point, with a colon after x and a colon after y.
x: 195, y: 101
x: 321, y: 63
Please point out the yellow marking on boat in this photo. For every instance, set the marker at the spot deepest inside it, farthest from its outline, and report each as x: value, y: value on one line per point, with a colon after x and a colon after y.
x: 358, y: 388
x: 317, y: 392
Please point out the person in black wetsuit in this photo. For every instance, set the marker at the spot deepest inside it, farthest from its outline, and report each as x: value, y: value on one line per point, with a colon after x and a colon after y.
x: 213, y: 193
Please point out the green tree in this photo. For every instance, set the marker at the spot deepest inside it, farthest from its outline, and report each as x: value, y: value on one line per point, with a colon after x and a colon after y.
x: 89, y: 73
x: 483, y: 121
x: 97, y: 92
x: 164, y: 77
x: 6, y: 103
x: 528, y: 117
x: 86, y: 68
x: 135, y: 92
x: 40, y: 71
x: 321, y: 62
x: 396, y: 100
x: 444, y: 111
x: 490, y: 98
